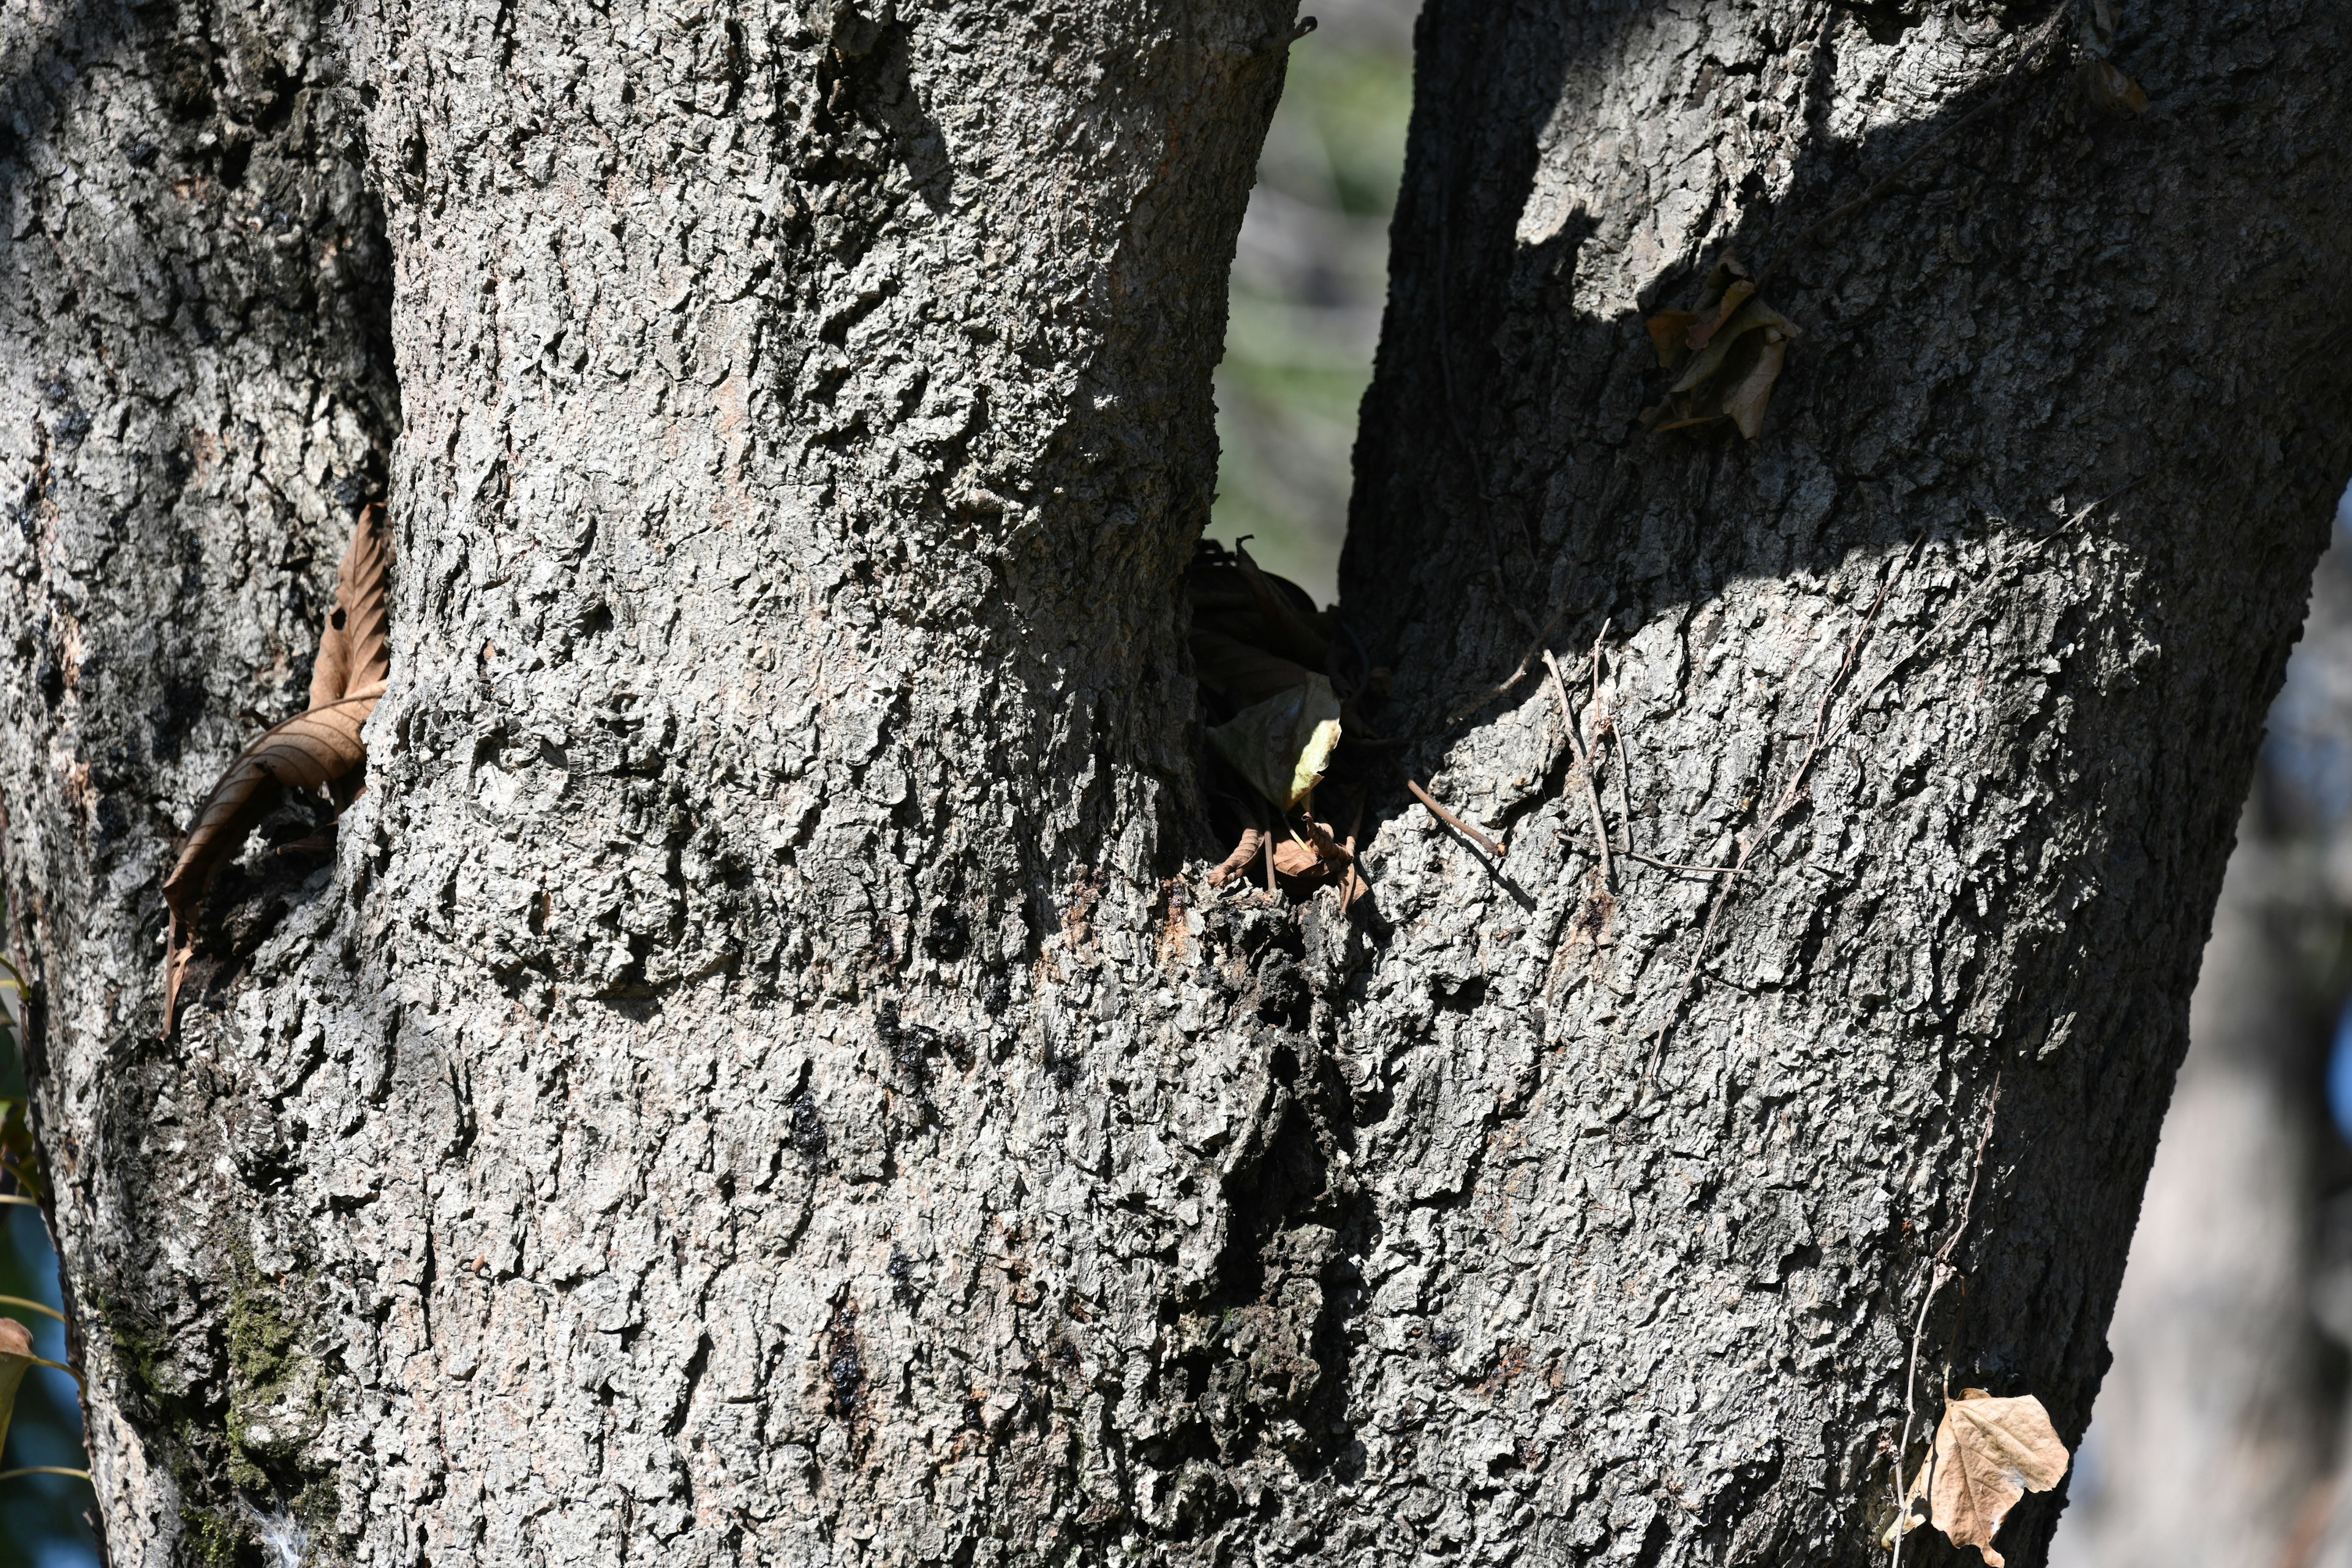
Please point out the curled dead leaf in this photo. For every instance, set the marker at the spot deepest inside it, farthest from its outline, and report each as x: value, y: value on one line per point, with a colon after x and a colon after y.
x: 1286, y: 628
x: 17, y: 1358
x: 1312, y: 853
x: 354, y: 650
x: 1283, y: 745
x: 1730, y: 351
x: 1703, y: 330
x: 1745, y: 403
x: 1989, y: 1454
x: 1669, y: 334
x: 318, y: 748
x: 308, y: 750
x: 2111, y: 89
x: 1253, y: 843
x: 1292, y: 859
x: 1240, y: 670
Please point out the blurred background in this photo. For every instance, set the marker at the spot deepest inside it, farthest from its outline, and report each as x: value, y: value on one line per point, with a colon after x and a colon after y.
x: 1309, y: 279
x: 2216, y: 1437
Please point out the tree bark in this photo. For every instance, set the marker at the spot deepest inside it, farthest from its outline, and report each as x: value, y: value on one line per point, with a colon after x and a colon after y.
x: 196, y: 394
x: 2050, y: 400
x: 762, y: 1076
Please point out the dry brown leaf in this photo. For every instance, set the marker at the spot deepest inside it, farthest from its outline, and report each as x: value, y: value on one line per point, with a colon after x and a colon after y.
x: 1745, y: 403
x: 1748, y: 318
x: 354, y: 650
x: 320, y: 747
x: 1286, y: 631
x: 310, y: 748
x: 1292, y: 859
x: 1990, y: 1453
x: 1234, y: 865
x: 1283, y: 746
x: 1668, y: 333
x: 17, y: 1358
x: 1707, y: 326
x: 1741, y: 347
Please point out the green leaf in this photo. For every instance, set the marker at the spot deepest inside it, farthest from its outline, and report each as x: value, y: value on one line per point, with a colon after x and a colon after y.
x: 1283, y: 745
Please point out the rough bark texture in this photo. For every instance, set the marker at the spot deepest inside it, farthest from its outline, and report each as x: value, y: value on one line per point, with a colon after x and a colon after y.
x: 1678, y: 1312
x: 762, y: 1079
x: 2215, y: 1439
x: 195, y: 396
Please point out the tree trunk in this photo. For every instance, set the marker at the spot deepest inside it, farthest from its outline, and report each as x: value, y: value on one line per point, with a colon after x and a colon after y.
x: 2049, y: 400
x: 762, y: 1076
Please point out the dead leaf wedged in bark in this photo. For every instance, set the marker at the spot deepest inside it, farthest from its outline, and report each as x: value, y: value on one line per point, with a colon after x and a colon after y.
x: 1990, y: 1453
x: 1292, y: 859
x: 1286, y: 631
x: 1736, y: 346
x: 1283, y: 745
x: 316, y: 748
x: 1745, y: 403
x: 310, y: 748
x: 1669, y: 331
x: 1240, y: 671
x: 354, y: 650
x: 1703, y: 330
x: 17, y: 1358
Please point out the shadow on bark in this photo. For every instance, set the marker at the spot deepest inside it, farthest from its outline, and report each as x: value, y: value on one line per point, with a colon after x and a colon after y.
x: 2017, y: 335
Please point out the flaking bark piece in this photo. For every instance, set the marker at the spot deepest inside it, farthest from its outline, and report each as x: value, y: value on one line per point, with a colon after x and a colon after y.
x: 354, y: 650
x: 307, y: 751
x: 1990, y: 1453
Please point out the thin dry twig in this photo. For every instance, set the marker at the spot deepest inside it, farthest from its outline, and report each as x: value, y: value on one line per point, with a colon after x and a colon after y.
x: 1749, y: 844
x: 1454, y: 821
x: 1678, y: 865
x: 1624, y: 783
x: 1942, y: 1272
x: 1584, y: 762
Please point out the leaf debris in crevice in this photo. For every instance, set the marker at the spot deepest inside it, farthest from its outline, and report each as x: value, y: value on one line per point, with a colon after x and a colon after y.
x: 318, y: 748
x: 2104, y: 81
x: 1283, y: 684
x: 1730, y: 350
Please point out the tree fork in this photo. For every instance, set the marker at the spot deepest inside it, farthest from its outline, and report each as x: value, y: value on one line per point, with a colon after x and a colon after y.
x: 764, y: 1075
